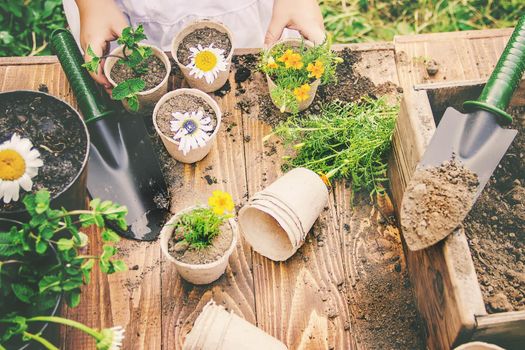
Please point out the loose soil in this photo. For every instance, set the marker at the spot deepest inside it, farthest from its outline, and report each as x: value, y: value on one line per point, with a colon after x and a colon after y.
x: 57, y: 133
x: 153, y: 77
x: 495, y: 229
x: 213, y: 252
x: 182, y: 104
x: 350, y: 86
x: 435, y: 202
x: 204, y: 37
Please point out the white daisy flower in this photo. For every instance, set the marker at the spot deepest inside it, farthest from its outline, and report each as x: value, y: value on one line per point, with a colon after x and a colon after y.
x: 206, y: 62
x: 19, y: 163
x: 192, y: 130
x: 110, y: 338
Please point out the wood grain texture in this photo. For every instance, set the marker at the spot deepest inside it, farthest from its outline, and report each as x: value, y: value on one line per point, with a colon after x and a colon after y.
x: 445, y: 282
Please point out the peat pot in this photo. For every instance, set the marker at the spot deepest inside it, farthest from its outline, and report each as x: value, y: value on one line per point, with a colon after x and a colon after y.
x: 147, y: 99
x: 276, y: 220
x: 218, y: 329
x: 171, y: 145
x: 197, y: 273
x: 294, y: 43
x: 71, y: 195
x: 193, y: 81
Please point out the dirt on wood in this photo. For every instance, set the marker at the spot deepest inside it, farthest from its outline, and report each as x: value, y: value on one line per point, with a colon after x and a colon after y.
x: 181, y: 251
x: 55, y: 131
x: 204, y: 37
x: 350, y: 86
x: 156, y: 71
x: 435, y: 202
x: 496, y: 229
x: 184, y: 103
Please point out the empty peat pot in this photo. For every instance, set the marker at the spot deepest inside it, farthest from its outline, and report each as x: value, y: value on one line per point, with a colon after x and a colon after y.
x: 218, y: 329
x: 478, y: 345
x: 183, y: 42
x: 60, y: 135
x: 147, y: 98
x: 174, y: 101
x: 293, y: 43
x: 276, y: 220
x: 198, y: 273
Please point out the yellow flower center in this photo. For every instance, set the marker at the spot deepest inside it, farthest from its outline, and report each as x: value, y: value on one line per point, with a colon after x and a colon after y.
x: 205, y: 60
x: 12, y: 165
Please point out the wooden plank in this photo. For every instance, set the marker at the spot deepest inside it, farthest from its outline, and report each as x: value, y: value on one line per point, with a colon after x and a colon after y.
x: 300, y: 301
x: 107, y: 301
x: 505, y: 329
x: 181, y: 301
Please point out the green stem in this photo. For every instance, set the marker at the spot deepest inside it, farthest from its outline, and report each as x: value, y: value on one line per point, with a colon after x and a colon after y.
x: 71, y: 323
x: 41, y: 340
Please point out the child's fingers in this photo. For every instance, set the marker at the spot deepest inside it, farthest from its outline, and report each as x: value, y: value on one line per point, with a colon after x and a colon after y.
x: 98, y: 47
x: 275, y: 30
x: 313, y: 33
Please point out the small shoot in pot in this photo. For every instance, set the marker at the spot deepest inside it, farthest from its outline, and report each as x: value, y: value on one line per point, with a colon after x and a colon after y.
x: 134, y: 56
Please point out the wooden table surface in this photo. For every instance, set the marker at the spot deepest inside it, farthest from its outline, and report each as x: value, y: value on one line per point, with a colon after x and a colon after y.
x: 318, y: 299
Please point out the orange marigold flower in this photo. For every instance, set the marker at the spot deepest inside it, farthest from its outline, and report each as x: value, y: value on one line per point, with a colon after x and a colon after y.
x: 291, y: 59
x: 302, y: 93
x: 316, y: 69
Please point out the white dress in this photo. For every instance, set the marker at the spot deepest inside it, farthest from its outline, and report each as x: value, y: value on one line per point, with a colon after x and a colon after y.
x: 162, y: 19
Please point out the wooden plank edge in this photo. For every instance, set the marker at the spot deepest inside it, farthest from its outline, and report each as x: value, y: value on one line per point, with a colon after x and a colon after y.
x: 505, y: 329
x: 447, y: 36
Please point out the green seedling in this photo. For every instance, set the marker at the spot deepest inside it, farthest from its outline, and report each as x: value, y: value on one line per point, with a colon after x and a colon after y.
x: 134, y: 56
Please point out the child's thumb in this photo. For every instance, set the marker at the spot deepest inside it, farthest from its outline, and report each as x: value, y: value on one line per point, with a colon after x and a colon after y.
x: 275, y: 31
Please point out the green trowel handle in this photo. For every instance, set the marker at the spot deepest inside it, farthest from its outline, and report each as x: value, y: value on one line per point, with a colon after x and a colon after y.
x: 505, y: 78
x: 90, y: 101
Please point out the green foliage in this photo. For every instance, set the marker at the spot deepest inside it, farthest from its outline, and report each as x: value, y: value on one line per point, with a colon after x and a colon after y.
x: 200, y: 226
x: 134, y: 56
x: 287, y: 79
x: 346, y: 140
x: 353, y: 21
x: 41, y: 259
x: 25, y: 26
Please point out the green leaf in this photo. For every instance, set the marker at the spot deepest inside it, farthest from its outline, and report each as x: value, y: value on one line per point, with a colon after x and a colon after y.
x: 119, y: 266
x: 49, y: 282
x: 73, y: 298
x: 108, y: 235
x: 65, y: 244
x: 94, y: 63
x: 41, y: 246
x: 42, y: 199
x: 133, y: 103
x: 128, y: 88
x: 22, y: 292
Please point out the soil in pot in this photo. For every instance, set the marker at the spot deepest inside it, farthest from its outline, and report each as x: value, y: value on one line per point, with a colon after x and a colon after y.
x: 152, y: 77
x: 184, y: 103
x: 496, y: 229
x: 435, y: 201
x: 180, y: 250
x: 204, y: 37
x: 57, y: 133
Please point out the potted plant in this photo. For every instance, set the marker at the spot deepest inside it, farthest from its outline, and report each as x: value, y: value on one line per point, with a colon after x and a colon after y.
x: 42, y: 263
x: 44, y: 144
x: 187, y: 121
x: 200, y: 239
x: 203, y: 51
x: 138, y: 72
x: 294, y: 70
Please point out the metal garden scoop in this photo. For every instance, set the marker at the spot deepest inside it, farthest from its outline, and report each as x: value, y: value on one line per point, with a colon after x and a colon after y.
x: 477, y: 139
x: 122, y: 166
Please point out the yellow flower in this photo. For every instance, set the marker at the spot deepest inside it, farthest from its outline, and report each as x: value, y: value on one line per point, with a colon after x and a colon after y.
x: 316, y: 70
x: 291, y: 59
x: 302, y: 92
x: 221, y: 202
x: 271, y: 63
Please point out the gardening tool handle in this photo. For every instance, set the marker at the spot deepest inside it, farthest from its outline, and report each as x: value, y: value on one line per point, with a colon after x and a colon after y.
x: 92, y: 104
x: 505, y: 78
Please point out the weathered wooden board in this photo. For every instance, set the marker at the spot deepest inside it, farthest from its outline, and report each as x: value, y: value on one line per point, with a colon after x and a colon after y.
x: 309, y: 302
x: 446, y: 287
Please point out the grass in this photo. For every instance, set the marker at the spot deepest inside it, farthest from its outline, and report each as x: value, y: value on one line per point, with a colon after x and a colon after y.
x: 352, y: 21
x: 25, y: 25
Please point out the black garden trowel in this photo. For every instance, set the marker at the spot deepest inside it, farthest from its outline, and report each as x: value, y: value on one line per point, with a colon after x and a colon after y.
x: 122, y: 165
x: 477, y: 139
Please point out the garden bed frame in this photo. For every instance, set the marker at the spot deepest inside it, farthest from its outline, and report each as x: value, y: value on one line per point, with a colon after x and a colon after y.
x: 445, y: 283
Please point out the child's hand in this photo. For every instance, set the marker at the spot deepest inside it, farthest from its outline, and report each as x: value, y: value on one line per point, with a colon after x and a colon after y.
x: 302, y: 15
x: 101, y: 21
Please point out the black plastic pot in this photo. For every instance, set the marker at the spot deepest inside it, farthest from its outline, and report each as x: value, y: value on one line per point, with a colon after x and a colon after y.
x: 74, y: 194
